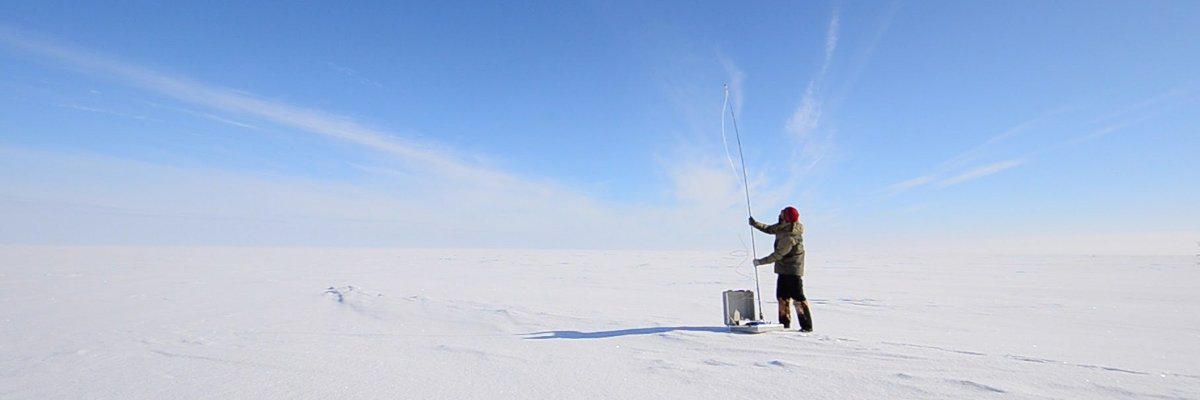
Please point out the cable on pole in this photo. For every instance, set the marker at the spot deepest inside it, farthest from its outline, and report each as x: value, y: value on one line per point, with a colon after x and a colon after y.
x: 746, y: 185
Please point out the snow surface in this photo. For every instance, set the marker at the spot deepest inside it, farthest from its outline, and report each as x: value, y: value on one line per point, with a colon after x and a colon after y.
x: 255, y: 323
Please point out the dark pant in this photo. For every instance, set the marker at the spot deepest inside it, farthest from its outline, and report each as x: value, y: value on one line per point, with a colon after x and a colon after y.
x: 790, y: 287
x: 787, y: 289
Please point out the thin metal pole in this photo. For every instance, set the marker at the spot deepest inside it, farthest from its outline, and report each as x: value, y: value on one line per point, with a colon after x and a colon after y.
x: 749, y: 213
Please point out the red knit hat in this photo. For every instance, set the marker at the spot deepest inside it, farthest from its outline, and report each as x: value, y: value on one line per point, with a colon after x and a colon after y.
x: 790, y: 214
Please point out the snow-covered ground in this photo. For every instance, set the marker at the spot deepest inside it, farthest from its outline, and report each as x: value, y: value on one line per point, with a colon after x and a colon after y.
x: 255, y: 323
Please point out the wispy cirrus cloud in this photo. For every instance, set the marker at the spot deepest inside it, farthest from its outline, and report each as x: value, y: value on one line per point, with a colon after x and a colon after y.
x: 807, y: 116
x: 437, y: 160
x: 208, y: 116
x: 1058, y: 136
x: 962, y: 177
x: 424, y: 193
x: 104, y: 111
x: 954, y: 165
x: 980, y: 172
x: 1136, y: 113
x: 814, y: 140
x: 901, y: 187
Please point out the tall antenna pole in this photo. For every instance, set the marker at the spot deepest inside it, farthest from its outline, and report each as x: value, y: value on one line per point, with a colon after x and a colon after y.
x: 749, y: 213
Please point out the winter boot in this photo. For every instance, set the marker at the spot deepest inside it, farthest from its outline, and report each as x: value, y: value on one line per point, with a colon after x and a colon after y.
x: 806, y: 324
x: 785, y: 313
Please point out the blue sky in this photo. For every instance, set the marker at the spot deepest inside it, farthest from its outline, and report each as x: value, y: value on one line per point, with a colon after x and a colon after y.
x: 941, y: 126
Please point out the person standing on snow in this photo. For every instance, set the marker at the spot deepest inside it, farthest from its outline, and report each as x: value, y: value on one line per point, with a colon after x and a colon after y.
x: 788, y: 258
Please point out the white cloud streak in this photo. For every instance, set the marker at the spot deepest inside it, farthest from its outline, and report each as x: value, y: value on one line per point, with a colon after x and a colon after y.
x: 425, y: 195
x: 227, y: 100
x: 961, y: 159
x: 100, y: 111
x: 208, y: 116
x: 1100, y: 127
x: 831, y: 40
x: 909, y: 184
x: 981, y: 172
x: 807, y: 116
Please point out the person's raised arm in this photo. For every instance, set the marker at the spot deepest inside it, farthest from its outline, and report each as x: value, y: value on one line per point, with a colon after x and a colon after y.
x: 759, y: 225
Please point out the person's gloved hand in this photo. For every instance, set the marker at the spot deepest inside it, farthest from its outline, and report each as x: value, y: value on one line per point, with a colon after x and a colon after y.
x: 752, y: 221
x: 758, y: 262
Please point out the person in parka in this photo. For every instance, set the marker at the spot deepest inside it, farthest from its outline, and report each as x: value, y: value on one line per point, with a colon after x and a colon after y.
x: 788, y: 258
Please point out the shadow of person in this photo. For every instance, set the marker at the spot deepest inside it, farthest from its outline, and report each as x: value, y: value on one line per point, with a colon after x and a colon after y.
x: 623, y: 332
